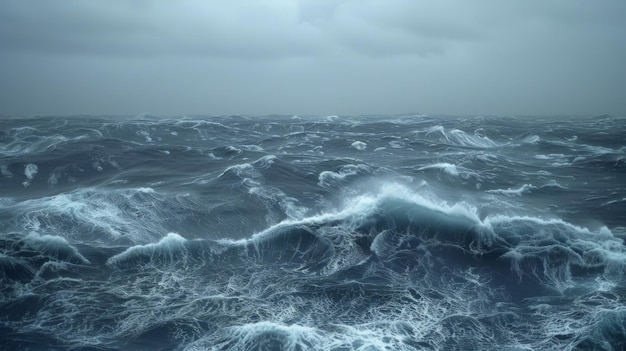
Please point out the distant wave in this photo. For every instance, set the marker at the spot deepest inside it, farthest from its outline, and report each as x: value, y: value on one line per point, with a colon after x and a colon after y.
x: 458, y: 137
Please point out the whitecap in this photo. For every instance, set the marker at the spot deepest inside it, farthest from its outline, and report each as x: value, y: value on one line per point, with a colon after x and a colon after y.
x: 30, y: 171
x: 234, y: 149
x: 166, y: 248
x: 252, y: 148
x: 240, y: 170
x: 145, y: 135
x: 445, y: 167
x: 553, y: 184
x: 260, y: 335
x: 359, y: 145
x: 460, y: 138
x: 128, y: 215
x: 531, y: 139
x: 328, y: 178
x: 266, y: 161
x: 524, y: 189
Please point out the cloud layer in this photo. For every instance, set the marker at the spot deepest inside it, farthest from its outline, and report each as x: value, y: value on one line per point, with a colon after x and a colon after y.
x: 446, y: 56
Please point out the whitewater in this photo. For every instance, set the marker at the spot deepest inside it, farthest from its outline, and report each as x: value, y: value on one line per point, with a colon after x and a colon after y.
x: 346, y: 233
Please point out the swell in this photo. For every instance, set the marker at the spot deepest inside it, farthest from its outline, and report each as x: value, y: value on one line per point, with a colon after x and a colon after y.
x: 243, y: 233
x: 379, y: 251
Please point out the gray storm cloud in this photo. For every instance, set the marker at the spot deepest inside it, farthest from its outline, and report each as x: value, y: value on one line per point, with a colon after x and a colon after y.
x: 307, y: 56
x: 242, y: 29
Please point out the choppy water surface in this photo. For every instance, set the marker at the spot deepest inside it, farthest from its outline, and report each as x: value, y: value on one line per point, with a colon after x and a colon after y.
x: 316, y: 233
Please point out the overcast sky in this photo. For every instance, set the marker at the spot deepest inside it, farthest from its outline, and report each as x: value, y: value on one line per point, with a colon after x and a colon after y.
x: 321, y: 57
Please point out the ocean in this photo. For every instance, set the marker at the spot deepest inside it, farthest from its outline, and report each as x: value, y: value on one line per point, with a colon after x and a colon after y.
x: 313, y: 233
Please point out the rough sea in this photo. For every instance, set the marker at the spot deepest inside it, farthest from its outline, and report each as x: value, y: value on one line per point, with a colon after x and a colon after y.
x: 313, y: 233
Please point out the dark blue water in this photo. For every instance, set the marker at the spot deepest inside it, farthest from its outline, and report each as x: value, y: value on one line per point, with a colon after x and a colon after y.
x: 316, y: 233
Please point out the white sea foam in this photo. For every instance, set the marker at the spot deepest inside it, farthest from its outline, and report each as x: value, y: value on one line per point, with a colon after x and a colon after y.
x: 500, y: 219
x: 129, y: 215
x: 436, y: 129
x: 532, y: 139
x: 380, y: 334
x: 255, y: 148
x: 166, y: 248
x: 459, y: 137
x: 445, y: 167
x: 479, y: 141
x: 234, y: 149
x: 329, y: 178
x: 30, y: 171
x: 241, y: 170
x: 524, y: 189
x: 253, y: 335
x: 266, y: 162
x: 24, y: 144
x: 597, y: 246
x: 549, y: 156
x: 553, y: 184
x: 359, y: 145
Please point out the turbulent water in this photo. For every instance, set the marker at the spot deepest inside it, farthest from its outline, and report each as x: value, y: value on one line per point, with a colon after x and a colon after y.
x: 316, y: 233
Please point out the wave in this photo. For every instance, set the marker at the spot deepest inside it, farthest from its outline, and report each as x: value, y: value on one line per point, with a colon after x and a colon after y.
x: 549, y: 253
x: 448, y: 168
x: 245, y: 233
x: 425, y: 264
x: 53, y: 246
x: 14, y: 269
x: 168, y: 249
x: 295, y: 246
x: 30, y: 171
x: 106, y: 215
x: 329, y: 179
x: 549, y: 188
x: 359, y: 145
x: 263, y: 179
x: 382, y: 249
x: 34, y: 257
x: 458, y: 137
x: 524, y: 189
x: 268, y: 335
